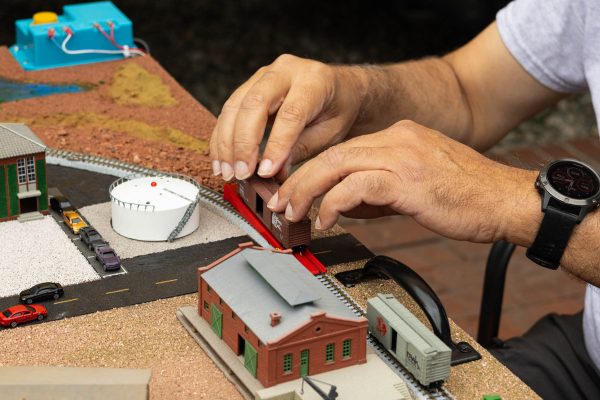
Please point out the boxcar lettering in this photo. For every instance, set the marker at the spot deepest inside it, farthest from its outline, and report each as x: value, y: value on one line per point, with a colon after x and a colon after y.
x: 276, y: 222
x: 412, y: 359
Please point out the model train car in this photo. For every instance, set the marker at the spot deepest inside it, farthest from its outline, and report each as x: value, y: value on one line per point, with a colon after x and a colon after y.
x: 256, y: 193
x: 421, y: 352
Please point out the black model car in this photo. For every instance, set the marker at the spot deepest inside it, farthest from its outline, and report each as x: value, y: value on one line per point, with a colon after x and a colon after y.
x: 91, y: 238
x: 58, y: 202
x: 42, y: 291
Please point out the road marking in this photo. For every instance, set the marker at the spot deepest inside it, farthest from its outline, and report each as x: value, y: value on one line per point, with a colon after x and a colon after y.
x: 163, y: 282
x: 323, y: 252
x: 66, y: 301
x: 118, y: 291
x: 91, y: 257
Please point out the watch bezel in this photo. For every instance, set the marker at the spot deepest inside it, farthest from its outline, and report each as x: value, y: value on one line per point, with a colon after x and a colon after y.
x: 543, y: 184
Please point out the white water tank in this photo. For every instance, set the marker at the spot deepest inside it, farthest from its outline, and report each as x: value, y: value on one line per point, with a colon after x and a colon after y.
x: 150, y: 207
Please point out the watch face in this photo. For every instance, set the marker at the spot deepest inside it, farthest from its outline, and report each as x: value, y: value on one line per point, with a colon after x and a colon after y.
x: 573, y: 180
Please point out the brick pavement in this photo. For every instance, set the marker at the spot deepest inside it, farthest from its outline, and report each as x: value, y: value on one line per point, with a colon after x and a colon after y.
x: 455, y: 269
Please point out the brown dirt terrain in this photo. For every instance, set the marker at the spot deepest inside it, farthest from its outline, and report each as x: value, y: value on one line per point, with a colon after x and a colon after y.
x: 127, y: 103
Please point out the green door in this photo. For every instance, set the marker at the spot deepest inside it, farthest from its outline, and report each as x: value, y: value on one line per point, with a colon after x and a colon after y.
x: 250, y: 358
x: 216, y: 320
x: 304, y: 363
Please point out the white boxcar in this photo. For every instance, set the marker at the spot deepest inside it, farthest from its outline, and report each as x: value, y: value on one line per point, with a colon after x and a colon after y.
x: 416, y: 347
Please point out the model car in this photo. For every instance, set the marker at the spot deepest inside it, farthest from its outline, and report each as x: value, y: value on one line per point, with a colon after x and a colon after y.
x: 74, y: 221
x: 108, y: 258
x: 20, y: 314
x: 42, y: 291
x: 58, y: 202
x: 90, y: 237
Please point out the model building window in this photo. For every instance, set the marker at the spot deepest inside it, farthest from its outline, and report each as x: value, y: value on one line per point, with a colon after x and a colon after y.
x: 329, y: 350
x: 287, y: 363
x: 205, y: 305
x: 346, y: 348
x: 220, y: 301
x: 30, y: 169
x: 21, y: 170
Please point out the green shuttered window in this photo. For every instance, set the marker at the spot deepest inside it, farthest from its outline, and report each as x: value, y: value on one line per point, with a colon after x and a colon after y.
x: 347, y: 349
x: 329, y: 352
x: 287, y: 363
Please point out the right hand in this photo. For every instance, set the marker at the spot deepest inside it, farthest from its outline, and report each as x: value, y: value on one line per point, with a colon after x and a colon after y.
x: 314, y: 106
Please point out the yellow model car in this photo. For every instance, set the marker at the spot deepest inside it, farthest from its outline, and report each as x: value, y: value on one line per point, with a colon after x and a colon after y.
x: 74, y: 221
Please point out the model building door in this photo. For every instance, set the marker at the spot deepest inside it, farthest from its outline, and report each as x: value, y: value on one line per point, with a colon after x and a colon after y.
x: 304, y: 363
x: 216, y: 320
x: 250, y: 358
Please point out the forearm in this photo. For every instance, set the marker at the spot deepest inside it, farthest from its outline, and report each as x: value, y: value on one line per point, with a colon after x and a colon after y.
x: 426, y: 91
x: 523, y: 218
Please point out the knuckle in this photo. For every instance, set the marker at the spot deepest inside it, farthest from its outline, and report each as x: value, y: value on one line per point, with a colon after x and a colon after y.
x: 407, y: 125
x: 278, y: 146
x: 332, y: 157
x: 253, y: 101
x: 243, y: 145
x: 285, y: 58
x: 230, y: 104
x: 292, y: 113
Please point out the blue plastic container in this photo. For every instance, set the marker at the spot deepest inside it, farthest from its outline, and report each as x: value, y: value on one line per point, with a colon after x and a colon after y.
x: 36, y: 50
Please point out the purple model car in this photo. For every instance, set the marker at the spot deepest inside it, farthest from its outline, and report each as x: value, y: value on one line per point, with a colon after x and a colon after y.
x: 108, y: 258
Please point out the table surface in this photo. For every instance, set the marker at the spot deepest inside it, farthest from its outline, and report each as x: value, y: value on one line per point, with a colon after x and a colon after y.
x: 154, y: 122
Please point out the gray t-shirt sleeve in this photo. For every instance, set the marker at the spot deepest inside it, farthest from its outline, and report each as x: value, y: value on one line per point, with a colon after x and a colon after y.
x: 547, y: 39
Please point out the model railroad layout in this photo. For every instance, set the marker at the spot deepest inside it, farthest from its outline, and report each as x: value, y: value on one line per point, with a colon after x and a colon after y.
x: 215, y: 202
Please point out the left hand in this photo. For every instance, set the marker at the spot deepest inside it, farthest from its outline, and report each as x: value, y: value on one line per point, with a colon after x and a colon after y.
x: 409, y: 169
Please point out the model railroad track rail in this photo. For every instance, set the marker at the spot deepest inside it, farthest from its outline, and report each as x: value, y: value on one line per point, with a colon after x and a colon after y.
x: 211, y: 199
x: 418, y: 391
x: 215, y: 202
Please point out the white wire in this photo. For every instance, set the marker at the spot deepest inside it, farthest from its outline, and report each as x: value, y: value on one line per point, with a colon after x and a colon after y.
x: 126, y: 52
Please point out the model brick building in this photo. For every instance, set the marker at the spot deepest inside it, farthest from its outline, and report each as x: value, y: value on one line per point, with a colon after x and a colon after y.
x: 269, y: 309
x: 23, y: 186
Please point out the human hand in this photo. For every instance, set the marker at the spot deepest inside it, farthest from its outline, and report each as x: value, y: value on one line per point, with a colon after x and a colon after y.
x: 409, y: 169
x: 313, y: 106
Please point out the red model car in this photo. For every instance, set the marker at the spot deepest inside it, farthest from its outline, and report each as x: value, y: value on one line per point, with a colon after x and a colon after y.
x: 20, y: 314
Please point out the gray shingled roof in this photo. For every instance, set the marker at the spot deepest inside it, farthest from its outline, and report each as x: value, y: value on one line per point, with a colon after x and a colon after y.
x: 18, y: 140
x: 253, y: 295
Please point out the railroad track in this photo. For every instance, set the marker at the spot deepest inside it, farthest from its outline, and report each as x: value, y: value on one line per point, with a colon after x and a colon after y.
x: 215, y: 202
x: 418, y: 391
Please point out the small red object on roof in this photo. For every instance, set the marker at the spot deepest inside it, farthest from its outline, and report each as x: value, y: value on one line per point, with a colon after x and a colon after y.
x: 153, y: 184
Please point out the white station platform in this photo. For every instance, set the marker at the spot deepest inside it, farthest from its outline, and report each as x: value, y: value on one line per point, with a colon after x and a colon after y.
x: 150, y: 207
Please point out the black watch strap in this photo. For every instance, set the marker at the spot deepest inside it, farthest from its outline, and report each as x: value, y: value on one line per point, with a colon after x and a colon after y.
x: 552, y: 238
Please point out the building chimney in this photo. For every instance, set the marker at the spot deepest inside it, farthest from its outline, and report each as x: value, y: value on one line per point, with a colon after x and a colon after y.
x: 275, y: 318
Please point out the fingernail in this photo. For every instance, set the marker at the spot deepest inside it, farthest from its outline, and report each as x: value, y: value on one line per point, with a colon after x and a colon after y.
x: 273, y: 202
x: 265, y: 167
x: 289, y: 213
x: 226, y: 171
x: 216, y: 166
x: 241, y: 170
x: 318, y: 223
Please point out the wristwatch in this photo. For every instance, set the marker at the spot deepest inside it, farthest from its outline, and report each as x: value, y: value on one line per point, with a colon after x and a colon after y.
x: 570, y: 189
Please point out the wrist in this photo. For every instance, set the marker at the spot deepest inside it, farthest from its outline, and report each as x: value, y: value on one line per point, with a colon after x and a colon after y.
x: 521, y: 208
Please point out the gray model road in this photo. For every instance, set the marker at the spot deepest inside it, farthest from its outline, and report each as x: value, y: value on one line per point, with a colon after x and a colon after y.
x: 171, y: 273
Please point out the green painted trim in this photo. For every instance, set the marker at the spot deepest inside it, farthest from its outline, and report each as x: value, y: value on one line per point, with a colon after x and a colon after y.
x: 216, y: 320
x: 250, y: 358
x: 304, y: 363
x: 13, y: 190
x: 40, y: 169
x: 3, y: 202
